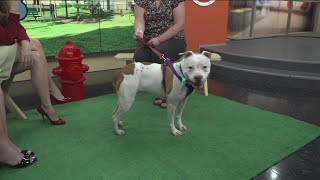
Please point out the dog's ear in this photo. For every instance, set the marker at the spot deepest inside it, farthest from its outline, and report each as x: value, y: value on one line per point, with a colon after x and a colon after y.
x: 207, y: 54
x: 186, y: 54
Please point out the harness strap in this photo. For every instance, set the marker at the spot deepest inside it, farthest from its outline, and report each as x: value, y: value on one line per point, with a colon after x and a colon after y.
x: 188, y: 85
x: 167, y: 63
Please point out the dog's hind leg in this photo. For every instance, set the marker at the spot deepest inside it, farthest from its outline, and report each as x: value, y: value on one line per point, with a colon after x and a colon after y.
x: 116, y: 120
x: 113, y: 114
x: 125, y: 101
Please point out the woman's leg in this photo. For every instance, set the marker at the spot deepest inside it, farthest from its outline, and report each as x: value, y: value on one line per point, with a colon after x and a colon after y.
x: 171, y: 49
x: 54, y: 90
x: 142, y: 54
x: 9, y: 153
x: 39, y: 78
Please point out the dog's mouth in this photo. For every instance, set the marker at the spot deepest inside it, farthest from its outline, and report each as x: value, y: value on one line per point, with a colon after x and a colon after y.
x: 197, y: 85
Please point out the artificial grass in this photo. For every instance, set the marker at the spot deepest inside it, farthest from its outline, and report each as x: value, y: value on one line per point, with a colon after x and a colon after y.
x: 225, y: 140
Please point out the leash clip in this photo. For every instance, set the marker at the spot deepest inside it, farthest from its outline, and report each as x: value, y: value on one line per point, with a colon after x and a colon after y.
x: 167, y: 61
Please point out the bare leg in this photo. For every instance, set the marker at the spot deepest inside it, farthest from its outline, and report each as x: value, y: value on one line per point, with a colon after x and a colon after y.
x: 54, y: 90
x: 39, y: 78
x: 9, y: 153
x: 37, y: 47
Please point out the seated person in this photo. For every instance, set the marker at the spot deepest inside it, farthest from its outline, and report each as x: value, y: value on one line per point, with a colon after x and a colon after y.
x: 30, y: 56
x: 19, y: 53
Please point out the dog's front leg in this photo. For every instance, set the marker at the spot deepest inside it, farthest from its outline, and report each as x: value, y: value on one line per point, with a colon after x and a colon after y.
x: 179, y: 111
x: 171, y: 109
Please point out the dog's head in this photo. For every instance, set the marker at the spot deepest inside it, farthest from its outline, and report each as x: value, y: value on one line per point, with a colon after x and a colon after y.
x: 196, y: 67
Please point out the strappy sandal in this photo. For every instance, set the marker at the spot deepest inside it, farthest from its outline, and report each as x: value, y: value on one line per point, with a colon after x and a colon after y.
x: 164, y: 104
x: 27, y: 153
x: 25, y: 162
x: 158, y: 101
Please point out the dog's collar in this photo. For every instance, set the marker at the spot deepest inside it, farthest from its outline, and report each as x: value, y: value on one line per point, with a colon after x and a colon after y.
x: 178, y: 74
x: 183, y: 80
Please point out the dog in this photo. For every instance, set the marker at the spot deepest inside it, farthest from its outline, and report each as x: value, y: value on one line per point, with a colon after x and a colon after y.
x: 194, y: 69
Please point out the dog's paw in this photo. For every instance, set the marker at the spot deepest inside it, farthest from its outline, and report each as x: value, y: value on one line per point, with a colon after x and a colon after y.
x: 177, y: 133
x: 120, y: 132
x: 183, y: 127
x: 120, y: 123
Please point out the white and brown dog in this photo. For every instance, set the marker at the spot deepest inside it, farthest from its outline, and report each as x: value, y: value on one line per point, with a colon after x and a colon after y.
x: 194, y: 69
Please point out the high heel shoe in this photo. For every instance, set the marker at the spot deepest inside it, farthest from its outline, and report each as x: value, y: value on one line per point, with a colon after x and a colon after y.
x: 25, y: 161
x: 53, y: 122
x: 57, y: 101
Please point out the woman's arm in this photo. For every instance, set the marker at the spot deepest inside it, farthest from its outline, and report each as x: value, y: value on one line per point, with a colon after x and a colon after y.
x: 14, y: 9
x: 9, y: 32
x: 139, y: 24
x: 178, y: 24
x: 12, y: 31
x: 22, y: 34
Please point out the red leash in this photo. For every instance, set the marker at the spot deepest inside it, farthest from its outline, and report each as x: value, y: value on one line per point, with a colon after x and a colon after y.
x: 167, y: 63
x: 144, y: 42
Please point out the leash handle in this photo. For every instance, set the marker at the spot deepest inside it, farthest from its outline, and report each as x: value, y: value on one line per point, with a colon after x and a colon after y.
x: 167, y: 61
x: 144, y: 41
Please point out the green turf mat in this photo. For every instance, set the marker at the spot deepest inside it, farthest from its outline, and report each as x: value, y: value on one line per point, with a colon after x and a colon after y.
x: 225, y: 140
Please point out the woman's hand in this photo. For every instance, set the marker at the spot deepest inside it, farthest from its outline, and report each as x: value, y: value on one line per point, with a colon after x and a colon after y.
x: 138, y: 33
x: 154, y: 41
x: 26, y: 54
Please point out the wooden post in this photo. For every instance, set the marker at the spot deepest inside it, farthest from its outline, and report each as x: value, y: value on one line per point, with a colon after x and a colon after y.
x: 66, y: 8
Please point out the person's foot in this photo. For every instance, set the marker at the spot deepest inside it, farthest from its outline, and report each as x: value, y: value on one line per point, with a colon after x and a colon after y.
x: 157, y: 102
x: 61, y: 101
x: 45, y: 113
x: 27, y: 152
x: 164, y: 104
x: 50, y: 112
x: 160, y: 102
x: 57, y: 95
x: 10, y: 156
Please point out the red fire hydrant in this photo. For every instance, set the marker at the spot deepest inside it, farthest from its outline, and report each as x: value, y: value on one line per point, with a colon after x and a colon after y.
x: 71, y: 71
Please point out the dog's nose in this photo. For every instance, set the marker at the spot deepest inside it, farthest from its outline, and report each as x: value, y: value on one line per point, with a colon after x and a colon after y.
x: 198, y: 78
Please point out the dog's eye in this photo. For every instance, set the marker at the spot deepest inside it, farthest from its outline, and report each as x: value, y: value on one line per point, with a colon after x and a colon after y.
x: 190, y: 67
x: 205, y: 67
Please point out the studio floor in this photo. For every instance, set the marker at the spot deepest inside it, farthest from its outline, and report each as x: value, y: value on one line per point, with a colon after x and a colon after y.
x: 303, y: 163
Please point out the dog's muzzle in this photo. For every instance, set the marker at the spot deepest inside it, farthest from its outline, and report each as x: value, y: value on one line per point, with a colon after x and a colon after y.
x: 197, y: 82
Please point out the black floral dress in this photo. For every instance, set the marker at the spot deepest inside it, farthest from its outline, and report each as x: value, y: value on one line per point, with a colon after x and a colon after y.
x: 159, y: 19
